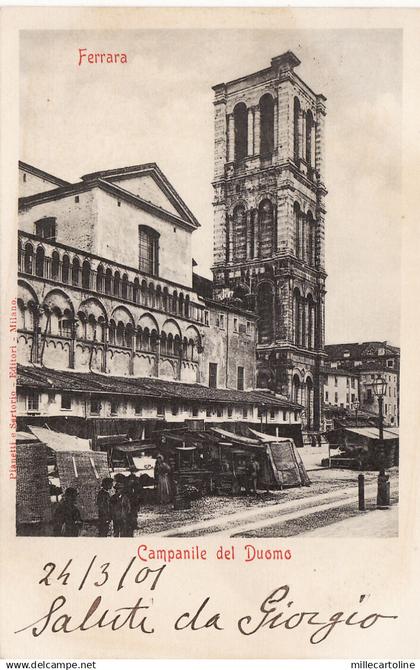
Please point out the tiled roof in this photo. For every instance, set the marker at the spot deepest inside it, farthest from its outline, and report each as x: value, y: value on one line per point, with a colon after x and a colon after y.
x: 359, y: 350
x: 89, y: 382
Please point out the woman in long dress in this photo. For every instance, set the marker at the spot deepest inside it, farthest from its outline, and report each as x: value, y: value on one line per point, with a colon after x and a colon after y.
x: 162, y: 476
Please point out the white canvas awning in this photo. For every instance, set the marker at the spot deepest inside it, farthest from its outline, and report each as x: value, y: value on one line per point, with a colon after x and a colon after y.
x: 60, y: 441
x: 270, y: 438
x: 373, y: 433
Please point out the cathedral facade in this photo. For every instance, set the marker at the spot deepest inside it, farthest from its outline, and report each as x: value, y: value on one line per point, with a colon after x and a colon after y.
x: 269, y: 218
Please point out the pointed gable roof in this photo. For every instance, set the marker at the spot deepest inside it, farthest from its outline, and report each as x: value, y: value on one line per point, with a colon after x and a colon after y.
x: 147, y: 181
x: 46, y: 176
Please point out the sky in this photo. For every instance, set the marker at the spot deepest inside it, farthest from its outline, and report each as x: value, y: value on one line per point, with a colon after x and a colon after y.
x: 159, y: 108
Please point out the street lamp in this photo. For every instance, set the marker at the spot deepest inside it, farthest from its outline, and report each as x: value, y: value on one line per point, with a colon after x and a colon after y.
x: 379, y: 389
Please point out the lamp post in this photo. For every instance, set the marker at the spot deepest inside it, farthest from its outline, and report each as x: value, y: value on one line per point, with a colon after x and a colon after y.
x: 379, y: 388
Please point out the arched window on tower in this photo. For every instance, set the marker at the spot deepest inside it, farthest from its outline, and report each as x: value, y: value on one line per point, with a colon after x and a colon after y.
x: 296, y: 140
x: 296, y: 316
x: 267, y: 124
x: 296, y: 389
x: 266, y: 229
x: 239, y: 233
x: 265, y: 308
x: 240, y: 115
x: 309, y: 126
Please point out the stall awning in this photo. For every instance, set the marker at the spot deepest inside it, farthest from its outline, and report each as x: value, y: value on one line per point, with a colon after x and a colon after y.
x: 60, y: 441
x: 135, y: 447
x: 373, y: 433
x: 237, y: 439
x: 269, y: 438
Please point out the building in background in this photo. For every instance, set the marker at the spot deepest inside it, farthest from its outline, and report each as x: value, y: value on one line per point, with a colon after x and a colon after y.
x: 114, y: 334
x: 369, y: 360
x: 269, y: 223
x: 341, y: 389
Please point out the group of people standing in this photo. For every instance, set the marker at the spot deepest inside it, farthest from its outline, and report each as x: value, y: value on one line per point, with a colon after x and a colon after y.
x: 118, y: 502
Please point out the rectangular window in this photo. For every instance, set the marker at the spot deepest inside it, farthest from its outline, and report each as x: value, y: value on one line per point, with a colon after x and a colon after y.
x: 213, y: 375
x: 336, y: 397
x: 219, y: 412
x: 353, y: 383
x: 46, y: 228
x: 65, y: 401
x: 160, y: 409
x: 245, y: 413
x: 76, y: 199
x: 208, y: 412
x: 390, y: 363
x: 114, y: 406
x: 195, y: 410
x: 138, y: 408
x: 284, y: 415
x: 148, y: 250
x: 240, y: 378
x: 326, y: 396
x: 206, y: 318
x: 353, y: 397
x: 221, y: 320
x: 335, y: 381
x: 174, y: 408
x: 229, y: 412
x: 248, y: 327
x: 95, y: 406
x: 272, y: 413
x: 32, y: 401
x: 235, y: 325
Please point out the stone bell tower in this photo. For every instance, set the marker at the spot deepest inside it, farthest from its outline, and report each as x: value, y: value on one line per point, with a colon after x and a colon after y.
x: 269, y: 218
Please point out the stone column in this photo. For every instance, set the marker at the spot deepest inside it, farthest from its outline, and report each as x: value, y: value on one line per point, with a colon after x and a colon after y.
x: 231, y: 138
x: 276, y: 122
x: 257, y: 131
x: 157, y: 358
x: 105, y: 348
x: 302, y: 134
x: 303, y: 236
x: 250, y: 150
x: 320, y: 136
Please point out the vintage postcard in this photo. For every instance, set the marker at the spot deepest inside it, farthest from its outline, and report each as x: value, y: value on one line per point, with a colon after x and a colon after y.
x: 209, y: 335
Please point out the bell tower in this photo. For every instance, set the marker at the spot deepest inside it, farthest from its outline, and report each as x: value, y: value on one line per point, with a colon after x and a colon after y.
x: 269, y: 220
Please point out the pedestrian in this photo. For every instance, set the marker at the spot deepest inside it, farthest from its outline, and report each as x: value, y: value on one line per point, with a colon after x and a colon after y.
x: 103, y: 502
x: 67, y: 518
x: 162, y: 480
x: 254, y: 472
x: 121, y: 513
x: 133, y: 490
